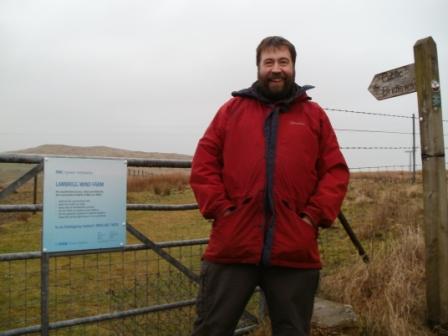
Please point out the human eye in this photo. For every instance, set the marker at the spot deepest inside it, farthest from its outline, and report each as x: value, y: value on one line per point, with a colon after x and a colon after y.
x: 284, y: 61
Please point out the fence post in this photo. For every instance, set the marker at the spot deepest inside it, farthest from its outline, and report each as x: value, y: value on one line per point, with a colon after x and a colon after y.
x: 35, y: 192
x: 434, y: 180
x: 44, y: 284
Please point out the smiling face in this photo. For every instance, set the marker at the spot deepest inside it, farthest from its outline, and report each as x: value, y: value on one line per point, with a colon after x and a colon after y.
x: 276, y: 73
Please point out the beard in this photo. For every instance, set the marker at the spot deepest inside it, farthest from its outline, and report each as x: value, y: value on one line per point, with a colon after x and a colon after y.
x: 276, y: 91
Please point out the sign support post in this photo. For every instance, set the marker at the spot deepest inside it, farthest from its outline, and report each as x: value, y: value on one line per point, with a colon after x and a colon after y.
x: 423, y: 77
x: 434, y: 180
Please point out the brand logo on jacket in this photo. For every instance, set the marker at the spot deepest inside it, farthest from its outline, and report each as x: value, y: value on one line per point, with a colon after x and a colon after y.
x: 297, y: 123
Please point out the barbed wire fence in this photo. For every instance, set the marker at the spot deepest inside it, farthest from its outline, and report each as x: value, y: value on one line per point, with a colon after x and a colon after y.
x: 408, y: 130
x: 149, y: 292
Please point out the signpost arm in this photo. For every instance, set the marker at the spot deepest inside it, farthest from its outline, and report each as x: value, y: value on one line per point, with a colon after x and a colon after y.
x: 434, y: 180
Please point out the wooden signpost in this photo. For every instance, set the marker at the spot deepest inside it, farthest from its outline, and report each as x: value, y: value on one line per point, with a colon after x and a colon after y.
x: 392, y: 83
x: 423, y: 77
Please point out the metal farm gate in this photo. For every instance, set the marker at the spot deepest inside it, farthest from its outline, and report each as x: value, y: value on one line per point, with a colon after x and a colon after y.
x: 144, y: 288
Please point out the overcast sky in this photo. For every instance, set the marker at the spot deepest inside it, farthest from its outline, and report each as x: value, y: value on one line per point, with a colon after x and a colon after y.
x: 150, y: 75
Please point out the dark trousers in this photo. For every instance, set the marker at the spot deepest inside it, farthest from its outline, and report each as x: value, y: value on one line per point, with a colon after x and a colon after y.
x: 225, y: 289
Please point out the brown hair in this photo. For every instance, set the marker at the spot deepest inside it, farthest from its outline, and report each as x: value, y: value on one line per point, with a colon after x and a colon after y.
x: 276, y: 42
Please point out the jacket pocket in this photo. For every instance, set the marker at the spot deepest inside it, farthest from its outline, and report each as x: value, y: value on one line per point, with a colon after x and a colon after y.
x: 297, y: 216
x: 234, y: 210
x: 238, y: 234
x: 295, y: 240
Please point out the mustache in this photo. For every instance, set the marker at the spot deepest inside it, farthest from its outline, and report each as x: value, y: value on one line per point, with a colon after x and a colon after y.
x: 277, y: 76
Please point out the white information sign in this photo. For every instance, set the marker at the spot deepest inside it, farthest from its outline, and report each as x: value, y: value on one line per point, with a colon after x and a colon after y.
x: 84, y: 205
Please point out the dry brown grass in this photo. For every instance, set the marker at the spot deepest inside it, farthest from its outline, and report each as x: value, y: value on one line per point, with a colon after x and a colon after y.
x: 161, y: 184
x: 263, y: 330
x: 388, y: 295
x: 389, y: 211
x: 385, y: 211
x: 389, y: 292
x: 23, y: 216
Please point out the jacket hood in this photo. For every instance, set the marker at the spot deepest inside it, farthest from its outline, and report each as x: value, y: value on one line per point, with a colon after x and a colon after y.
x: 252, y: 92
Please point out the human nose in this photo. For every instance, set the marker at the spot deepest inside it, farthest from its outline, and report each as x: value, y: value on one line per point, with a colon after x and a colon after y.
x: 276, y: 67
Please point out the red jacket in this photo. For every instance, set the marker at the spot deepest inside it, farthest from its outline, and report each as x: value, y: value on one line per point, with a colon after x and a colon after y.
x: 270, y: 164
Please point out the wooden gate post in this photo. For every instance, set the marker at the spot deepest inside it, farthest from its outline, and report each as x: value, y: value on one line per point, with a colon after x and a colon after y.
x: 434, y: 180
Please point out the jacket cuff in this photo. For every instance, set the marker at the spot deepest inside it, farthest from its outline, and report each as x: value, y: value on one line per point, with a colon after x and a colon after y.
x: 314, y: 214
x: 317, y: 217
x: 309, y: 218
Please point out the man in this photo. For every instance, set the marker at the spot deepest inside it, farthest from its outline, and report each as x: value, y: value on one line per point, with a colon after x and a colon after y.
x: 269, y: 173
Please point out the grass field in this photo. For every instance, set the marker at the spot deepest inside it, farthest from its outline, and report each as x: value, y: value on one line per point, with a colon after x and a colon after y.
x: 384, y: 209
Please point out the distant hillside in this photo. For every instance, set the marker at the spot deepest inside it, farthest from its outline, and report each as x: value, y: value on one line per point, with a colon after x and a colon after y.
x: 99, y: 151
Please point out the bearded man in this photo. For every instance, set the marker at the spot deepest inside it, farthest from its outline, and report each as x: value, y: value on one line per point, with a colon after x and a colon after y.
x: 269, y: 173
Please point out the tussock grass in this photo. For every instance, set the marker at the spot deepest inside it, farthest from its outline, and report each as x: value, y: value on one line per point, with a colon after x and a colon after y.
x: 159, y: 184
x: 388, y: 293
x: 384, y: 209
x: 386, y: 212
